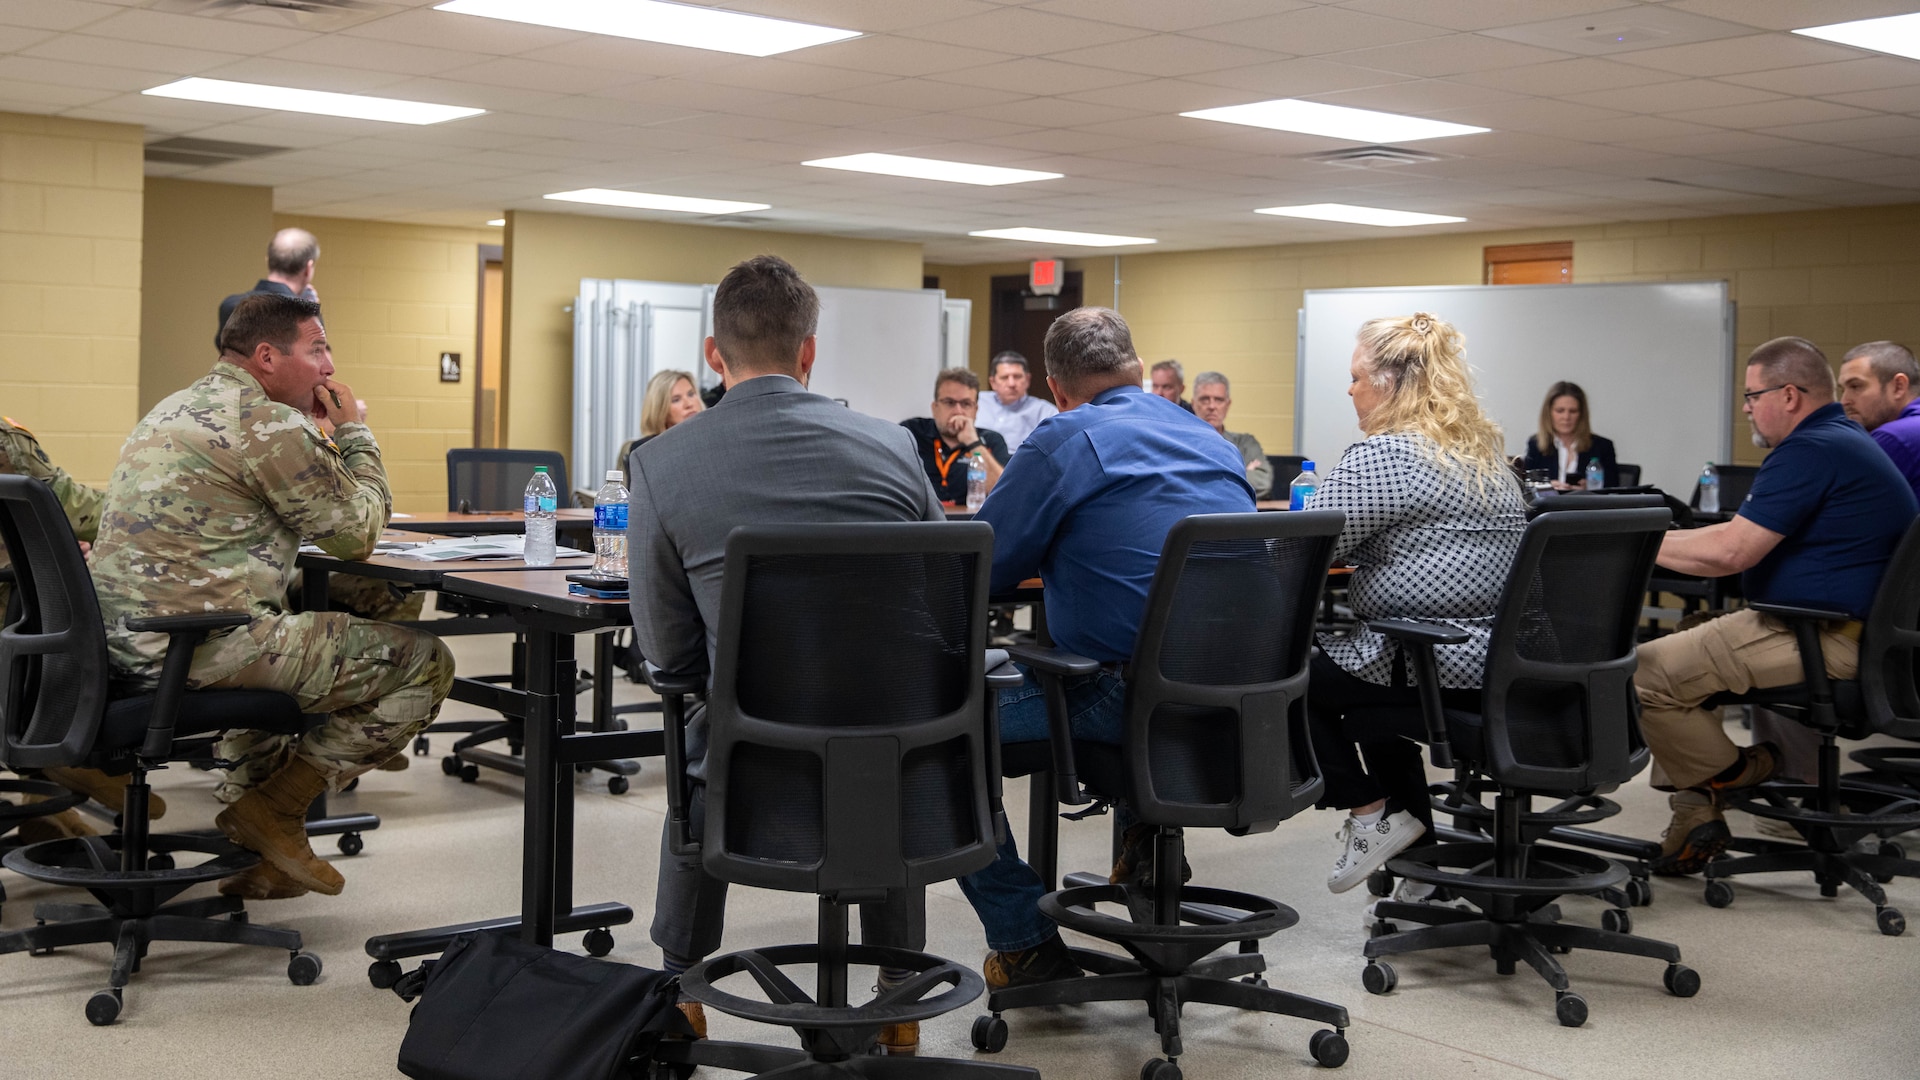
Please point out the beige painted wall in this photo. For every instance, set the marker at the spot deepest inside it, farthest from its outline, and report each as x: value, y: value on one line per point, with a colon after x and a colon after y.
x: 203, y: 242
x: 1839, y: 277
x: 70, y: 235
x: 395, y: 298
x: 548, y: 254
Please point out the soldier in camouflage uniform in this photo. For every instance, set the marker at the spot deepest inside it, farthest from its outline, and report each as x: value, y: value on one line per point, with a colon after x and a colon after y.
x: 206, y: 510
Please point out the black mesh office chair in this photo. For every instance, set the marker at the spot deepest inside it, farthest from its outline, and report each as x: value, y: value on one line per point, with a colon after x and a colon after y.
x: 1286, y: 468
x: 1215, y: 738
x: 1557, y: 719
x: 1735, y: 482
x: 481, y: 480
x: 848, y: 755
x: 1832, y: 814
x: 57, y: 710
x: 1629, y: 475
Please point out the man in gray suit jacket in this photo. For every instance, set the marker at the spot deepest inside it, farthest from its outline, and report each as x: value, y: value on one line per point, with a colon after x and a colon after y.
x: 770, y: 451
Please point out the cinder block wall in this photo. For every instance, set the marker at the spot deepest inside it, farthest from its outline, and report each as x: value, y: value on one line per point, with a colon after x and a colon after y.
x: 70, y: 235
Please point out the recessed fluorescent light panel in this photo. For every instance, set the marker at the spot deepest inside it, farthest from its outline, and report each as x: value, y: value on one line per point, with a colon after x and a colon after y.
x: 1896, y: 34
x: 668, y: 24
x: 498, y: 222
x: 1359, y: 215
x: 953, y: 172
x: 1334, y: 121
x: 289, y: 99
x: 641, y: 200
x: 1064, y: 237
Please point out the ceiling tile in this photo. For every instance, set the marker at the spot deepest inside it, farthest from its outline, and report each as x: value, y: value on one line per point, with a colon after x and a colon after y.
x: 1478, y: 14
x: 40, y: 15
x: 1770, y: 114
x: 786, y: 77
x: 113, y: 52
x: 1826, y: 79
x: 1029, y: 33
x: 307, y: 76
x: 1859, y: 130
x: 39, y: 97
x: 1312, y: 31
x: 469, y: 33
x: 1667, y: 97
x: 1034, y: 76
x: 927, y: 95
x: 378, y: 55
x: 1059, y: 112
x: 1417, y: 97
x: 1295, y: 78
x: 864, y: 15
x: 1759, y: 52
x: 67, y: 73
x: 1455, y: 55
x: 917, y: 131
x: 552, y: 78
x: 1564, y: 77
x: 1901, y: 99
x: 1162, y: 16
x: 1714, y: 143
x: 1169, y: 55
x: 1165, y: 97
x: 902, y: 56
x: 1793, y: 14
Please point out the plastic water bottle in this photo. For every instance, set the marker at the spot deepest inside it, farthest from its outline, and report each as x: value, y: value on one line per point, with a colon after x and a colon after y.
x: 541, y: 503
x: 1596, y: 476
x: 610, y: 528
x: 1709, y: 489
x: 1303, y: 488
x: 976, y: 482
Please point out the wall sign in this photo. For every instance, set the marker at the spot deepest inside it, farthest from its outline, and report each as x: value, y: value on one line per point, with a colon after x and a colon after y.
x: 449, y: 367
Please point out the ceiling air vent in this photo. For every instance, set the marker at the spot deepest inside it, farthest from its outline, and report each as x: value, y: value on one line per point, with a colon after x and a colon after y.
x: 320, y: 15
x: 1373, y: 157
x: 186, y: 151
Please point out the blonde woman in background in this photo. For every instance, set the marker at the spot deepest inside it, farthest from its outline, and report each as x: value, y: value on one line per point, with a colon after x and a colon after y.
x: 672, y: 397
x: 1434, y: 517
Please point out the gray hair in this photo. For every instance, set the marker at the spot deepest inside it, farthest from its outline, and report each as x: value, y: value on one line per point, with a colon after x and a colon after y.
x: 291, y: 251
x: 1179, y: 372
x: 1091, y: 348
x: 1886, y: 359
x: 1794, y: 361
x: 1006, y: 357
x: 1212, y: 378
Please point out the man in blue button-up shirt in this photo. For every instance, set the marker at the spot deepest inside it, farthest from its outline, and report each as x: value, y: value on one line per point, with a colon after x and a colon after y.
x: 1086, y: 503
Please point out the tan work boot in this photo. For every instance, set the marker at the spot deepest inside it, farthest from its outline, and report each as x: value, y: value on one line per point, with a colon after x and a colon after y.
x: 399, y: 762
x: 108, y: 791
x: 262, y: 881
x: 1696, y: 834
x: 271, y: 819
x: 1758, y: 764
x: 899, y: 1040
x: 696, y: 1015
x: 61, y: 826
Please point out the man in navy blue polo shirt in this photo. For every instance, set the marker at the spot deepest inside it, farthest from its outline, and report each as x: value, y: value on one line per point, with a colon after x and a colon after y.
x: 1817, y: 529
x: 1087, y: 504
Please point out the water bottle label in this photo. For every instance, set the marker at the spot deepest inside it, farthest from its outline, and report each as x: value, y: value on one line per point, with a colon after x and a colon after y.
x: 1299, y: 496
x: 548, y: 503
x: 610, y: 516
x: 530, y: 503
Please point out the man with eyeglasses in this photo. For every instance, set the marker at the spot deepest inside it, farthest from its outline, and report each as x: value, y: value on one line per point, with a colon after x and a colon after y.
x: 1817, y: 530
x: 948, y: 438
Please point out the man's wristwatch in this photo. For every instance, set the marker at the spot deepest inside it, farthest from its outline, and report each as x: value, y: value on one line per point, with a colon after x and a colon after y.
x: 972, y: 446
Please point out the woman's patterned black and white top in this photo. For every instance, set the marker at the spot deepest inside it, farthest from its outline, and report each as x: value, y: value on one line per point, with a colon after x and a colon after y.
x: 1426, y: 544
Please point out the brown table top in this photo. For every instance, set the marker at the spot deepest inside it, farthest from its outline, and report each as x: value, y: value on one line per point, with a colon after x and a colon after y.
x: 538, y: 590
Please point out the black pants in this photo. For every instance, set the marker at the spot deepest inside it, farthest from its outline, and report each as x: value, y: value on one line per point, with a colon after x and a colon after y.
x: 1352, y: 719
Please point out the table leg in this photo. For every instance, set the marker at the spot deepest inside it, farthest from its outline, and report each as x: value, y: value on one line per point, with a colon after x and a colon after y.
x: 313, y: 589
x: 541, y: 833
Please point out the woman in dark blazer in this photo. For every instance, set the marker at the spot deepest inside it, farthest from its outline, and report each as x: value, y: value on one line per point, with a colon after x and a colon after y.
x: 1566, y: 442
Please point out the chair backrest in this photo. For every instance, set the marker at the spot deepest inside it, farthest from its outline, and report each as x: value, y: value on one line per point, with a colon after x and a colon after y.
x: 1216, y: 692
x: 1735, y: 482
x: 1629, y: 474
x: 848, y: 721
x: 1582, y: 500
x: 1286, y: 467
x: 53, y: 656
x: 1558, y: 701
x: 497, y: 479
x: 1890, y: 645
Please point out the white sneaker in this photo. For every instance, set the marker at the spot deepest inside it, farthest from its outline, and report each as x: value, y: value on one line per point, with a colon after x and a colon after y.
x: 1366, y: 848
x: 1407, y: 892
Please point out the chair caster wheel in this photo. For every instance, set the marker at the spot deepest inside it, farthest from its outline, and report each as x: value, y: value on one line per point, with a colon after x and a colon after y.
x: 1383, y: 927
x: 383, y: 974
x: 1329, y: 1048
x: 1379, y: 977
x: 469, y: 774
x: 1255, y: 980
x: 160, y: 861
x: 1892, y: 923
x: 1570, y: 1007
x: 1719, y: 894
x: 989, y: 1034
x: 1380, y: 883
x: 1681, y: 980
x: 351, y: 844
x: 450, y: 765
x: 1159, y: 1069
x: 422, y: 746
x: 237, y: 916
x: 103, y: 1007
x: 1616, y: 921
x: 303, y: 969
x: 1891, y: 849
x: 599, y: 941
x: 617, y: 784
x: 1639, y: 892
x: 351, y: 784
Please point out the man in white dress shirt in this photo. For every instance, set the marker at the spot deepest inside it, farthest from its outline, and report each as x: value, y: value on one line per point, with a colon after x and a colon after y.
x: 1008, y: 410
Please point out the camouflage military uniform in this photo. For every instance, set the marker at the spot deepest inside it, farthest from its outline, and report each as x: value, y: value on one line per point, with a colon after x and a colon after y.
x: 214, y: 491
x: 20, y: 453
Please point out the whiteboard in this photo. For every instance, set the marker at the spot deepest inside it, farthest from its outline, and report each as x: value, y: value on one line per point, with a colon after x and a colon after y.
x: 1656, y: 361
x: 880, y: 349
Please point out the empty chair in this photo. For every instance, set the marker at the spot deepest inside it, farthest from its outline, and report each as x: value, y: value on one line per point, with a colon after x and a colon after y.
x: 1629, y: 474
x: 481, y: 480
x: 1735, y: 482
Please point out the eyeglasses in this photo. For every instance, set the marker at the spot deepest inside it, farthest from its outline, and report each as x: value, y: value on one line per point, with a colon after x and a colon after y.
x: 956, y: 403
x: 1750, y: 395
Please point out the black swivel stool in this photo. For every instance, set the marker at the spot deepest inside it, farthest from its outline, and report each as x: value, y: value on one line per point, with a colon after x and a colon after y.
x: 848, y: 757
x: 57, y: 710
x: 1216, y: 737
x: 1557, y: 720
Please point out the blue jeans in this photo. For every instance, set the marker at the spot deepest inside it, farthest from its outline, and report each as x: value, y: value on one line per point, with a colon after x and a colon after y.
x: 1006, y: 894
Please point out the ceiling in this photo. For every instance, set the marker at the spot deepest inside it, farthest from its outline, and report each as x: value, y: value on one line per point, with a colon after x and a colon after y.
x: 1708, y: 107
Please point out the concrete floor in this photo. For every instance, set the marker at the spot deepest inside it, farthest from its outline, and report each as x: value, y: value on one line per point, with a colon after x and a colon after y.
x: 1795, y: 986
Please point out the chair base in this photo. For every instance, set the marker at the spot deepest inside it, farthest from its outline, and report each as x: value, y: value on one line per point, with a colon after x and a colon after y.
x: 1858, y: 870
x: 1532, y: 938
x: 677, y: 1059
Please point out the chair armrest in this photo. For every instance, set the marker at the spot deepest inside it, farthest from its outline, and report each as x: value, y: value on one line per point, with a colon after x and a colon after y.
x: 1417, y: 633
x: 1001, y: 674
x: 1052, y: 661
x: 202, y: 622
x: 673, y: 691
x: 1791, y: 613
x: 184, y: 635
x: 663, y: 683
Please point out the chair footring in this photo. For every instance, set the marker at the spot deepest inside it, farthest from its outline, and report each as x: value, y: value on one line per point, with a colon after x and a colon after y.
x: 1551, y: 871
x: 789, y: 1006
x: 93, y: 862
x: 794, y: 1064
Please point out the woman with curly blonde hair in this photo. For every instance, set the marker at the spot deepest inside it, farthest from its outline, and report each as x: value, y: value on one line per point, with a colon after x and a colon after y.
x: 671, y: 397
x: 1434, y: 516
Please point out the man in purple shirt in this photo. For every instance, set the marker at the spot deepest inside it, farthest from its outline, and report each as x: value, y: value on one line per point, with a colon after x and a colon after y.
x: 1879, y: 382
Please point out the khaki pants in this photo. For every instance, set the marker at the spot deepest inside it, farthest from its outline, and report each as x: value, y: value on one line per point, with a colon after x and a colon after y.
x: 1737, y: 653
x: 380, y: 684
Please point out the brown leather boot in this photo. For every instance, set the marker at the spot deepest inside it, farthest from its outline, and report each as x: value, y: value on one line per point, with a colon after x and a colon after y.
x: 271, y: 819
x: 262, y: 881
x: 108, y: 791
x: 899, y: 1040
x: 696, y: 1016
x: 61, y: 826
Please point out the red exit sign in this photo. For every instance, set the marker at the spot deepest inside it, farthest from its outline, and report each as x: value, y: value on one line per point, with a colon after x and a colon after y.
x: 1045, y: 276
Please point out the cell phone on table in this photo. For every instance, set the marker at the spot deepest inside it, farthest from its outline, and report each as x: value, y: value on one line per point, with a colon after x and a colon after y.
x: 595, y: 581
